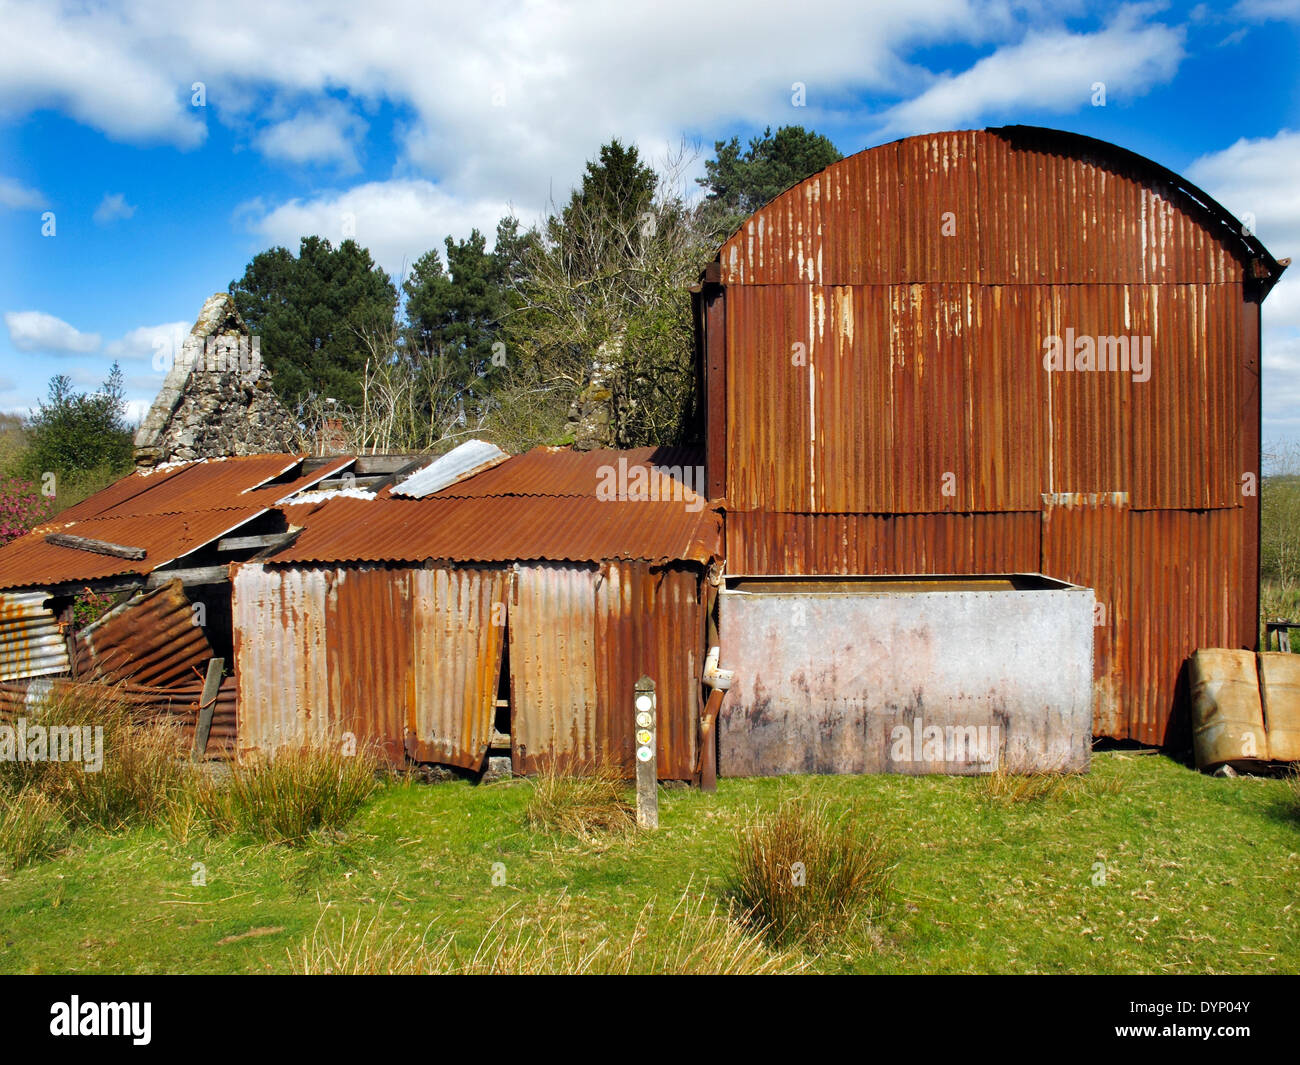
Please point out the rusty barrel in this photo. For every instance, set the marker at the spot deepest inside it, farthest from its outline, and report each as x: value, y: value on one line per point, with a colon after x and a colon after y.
x: 1227, y: 715
x: 1279, y: 686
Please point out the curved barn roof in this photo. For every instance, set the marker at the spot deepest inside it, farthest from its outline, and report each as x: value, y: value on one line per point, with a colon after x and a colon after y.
x: 1012, y: 204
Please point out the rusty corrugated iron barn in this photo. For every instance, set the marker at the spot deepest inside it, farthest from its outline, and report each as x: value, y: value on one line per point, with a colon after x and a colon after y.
x: 875, y: 401
x: 873, y: 348
x: 514, y: 608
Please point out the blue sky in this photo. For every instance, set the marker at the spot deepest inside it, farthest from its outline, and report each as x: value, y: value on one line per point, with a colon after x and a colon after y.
x: 419, y: 122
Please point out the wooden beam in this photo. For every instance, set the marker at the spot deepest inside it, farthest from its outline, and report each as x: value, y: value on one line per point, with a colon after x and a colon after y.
x: 207, y: 705
x: 189, y: 577
x: 98, y: 547
x: 245, y: 543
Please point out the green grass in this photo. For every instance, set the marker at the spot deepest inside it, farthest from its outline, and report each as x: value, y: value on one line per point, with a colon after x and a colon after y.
x: 1200, y: 875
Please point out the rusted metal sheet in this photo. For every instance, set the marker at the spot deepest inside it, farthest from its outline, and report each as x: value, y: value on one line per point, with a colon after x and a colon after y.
x: 460, y: 627
x: 153, y: 639
x: 165, y: 538
x: 1167, y: 583
x: 31, y: 642
x: 553, y: 667
x: 669, y: 473
x: 405, y: 660
x: 580, y: 637
x: 763, y: 542
x: 650, y: 622
x: 999, y: 206
x: 175, y: 488
x: 932, y: 398
x: 931, y: 678
x: 502, y: 529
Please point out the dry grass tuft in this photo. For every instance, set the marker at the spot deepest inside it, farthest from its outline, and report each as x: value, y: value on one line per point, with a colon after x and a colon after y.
x: 695, y: 938
x: 1002, y: 786
x: 32, y: 827
x: 803, y: 875
x: 143, y: 763
x: 286, y: 798
x: 589, y: 804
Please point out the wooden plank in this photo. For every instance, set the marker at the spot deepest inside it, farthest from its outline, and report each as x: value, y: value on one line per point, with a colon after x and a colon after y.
x: 245, y: 543
x: 189, y: 577
x: 207, y: 706
x: 97, y: 547
x: 709, y: 742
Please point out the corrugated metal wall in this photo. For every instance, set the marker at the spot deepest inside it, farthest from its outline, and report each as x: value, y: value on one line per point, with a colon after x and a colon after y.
x: 31, y: 643
x: 879, y: 333
x: 410, y: 659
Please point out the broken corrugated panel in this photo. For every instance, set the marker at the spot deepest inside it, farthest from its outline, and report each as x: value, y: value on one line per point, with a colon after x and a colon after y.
x: 461, y: 462
x: 165, y: 538
x: 31, y: 641
x: 501, y: 530
x: 459, y: 633
x: 154, y: 639
x: 762, y: 543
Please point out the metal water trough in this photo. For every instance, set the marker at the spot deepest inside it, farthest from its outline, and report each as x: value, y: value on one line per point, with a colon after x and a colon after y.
x: 906, y: 675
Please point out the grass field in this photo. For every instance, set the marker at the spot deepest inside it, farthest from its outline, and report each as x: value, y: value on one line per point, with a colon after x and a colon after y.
x: 1144, y: 866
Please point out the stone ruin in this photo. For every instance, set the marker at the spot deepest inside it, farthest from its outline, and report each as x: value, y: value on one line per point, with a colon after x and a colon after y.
x: 217, y: 397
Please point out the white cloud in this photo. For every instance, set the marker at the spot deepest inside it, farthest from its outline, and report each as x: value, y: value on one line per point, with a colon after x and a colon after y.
x: 112, y: 207
x: 1050, y: 70
x: 327, y: 133
x: 569, y: 75
x: 397, y: 220
x: 1266, y: 10
x: 143, y: 342
x: 41, y: 332
x: 8, y: 384
x: 17, y: 196
x: 1256, y: 179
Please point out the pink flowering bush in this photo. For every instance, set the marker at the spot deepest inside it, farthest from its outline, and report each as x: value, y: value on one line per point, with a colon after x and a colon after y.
x: 21, y: 507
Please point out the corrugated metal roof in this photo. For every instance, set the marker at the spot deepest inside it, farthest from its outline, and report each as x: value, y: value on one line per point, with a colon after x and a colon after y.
x: 502, y: 529
x: 669, y: 473
x: 207, y: 484
x: 165, y: 537
x: 461, y: 462
x: 31, y: 644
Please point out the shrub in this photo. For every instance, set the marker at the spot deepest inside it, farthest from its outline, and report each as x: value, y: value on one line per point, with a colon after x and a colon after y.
x: 802, y: 875
x: 21, y: 507
x: 286, y: 798
x: 589, y: 803
x: 32, y: 827
x: 1002, y: 786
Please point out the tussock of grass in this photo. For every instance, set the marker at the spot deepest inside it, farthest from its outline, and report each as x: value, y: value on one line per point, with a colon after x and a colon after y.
x: 1002, y: 786
x: 803, y: 874
x: 143, y: 762
x: 32, y: 827
x: 587, y: 805
x: 287, y: 798
x: 696, y: 937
